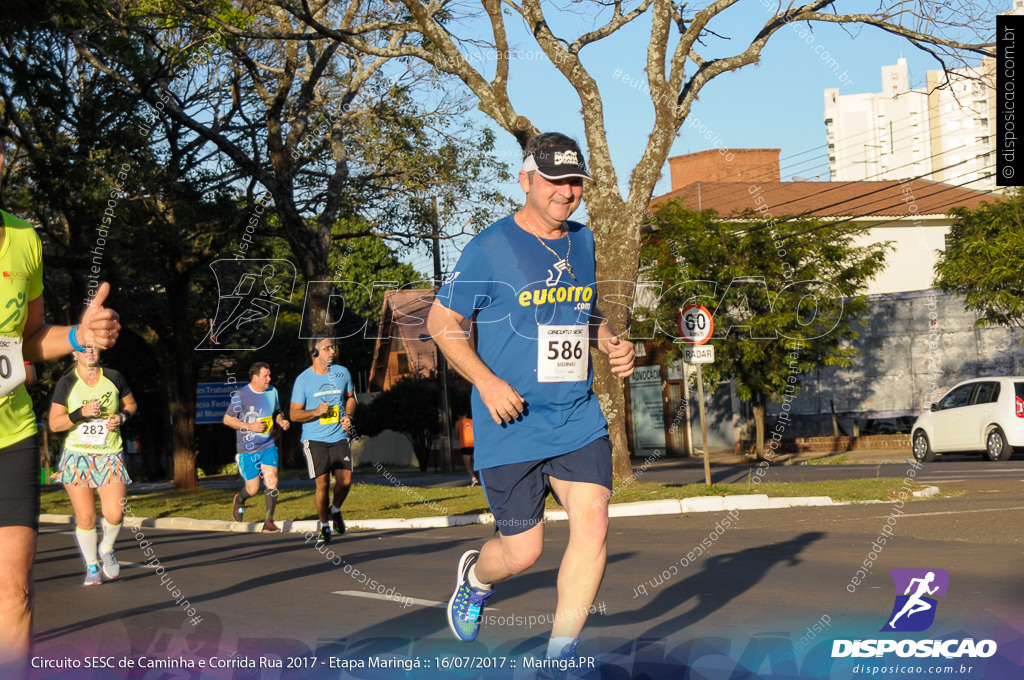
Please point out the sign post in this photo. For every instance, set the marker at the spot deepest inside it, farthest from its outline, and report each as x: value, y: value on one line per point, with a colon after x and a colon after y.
x: 696, y: 326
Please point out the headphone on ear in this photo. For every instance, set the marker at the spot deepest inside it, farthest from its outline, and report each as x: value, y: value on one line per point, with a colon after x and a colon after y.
x: 313, y: 351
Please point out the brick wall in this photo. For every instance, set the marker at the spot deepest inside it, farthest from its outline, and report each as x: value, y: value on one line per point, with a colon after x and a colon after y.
x: 874, y: 442
x: 747, y: 165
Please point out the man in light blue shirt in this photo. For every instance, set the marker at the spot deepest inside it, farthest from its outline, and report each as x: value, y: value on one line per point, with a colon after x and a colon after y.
x: 529, y: 284
x: 324, y: 401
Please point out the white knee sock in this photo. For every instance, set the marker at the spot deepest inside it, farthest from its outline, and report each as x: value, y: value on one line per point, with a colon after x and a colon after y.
x: 87, y: 544
x: 110, y: 532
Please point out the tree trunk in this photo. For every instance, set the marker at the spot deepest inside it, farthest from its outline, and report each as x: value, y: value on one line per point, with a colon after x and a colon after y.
x: 182, y: 384
x: 184, y: 446
x: 758, y: 407
x: 616, y: 233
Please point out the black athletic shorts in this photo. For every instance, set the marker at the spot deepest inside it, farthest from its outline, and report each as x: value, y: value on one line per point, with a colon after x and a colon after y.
x: 516, y: 492
x: 322, y: 458
x: 19, y: 484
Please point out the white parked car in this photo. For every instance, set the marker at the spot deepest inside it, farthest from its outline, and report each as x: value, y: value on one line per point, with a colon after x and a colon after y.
x: 984, y: 415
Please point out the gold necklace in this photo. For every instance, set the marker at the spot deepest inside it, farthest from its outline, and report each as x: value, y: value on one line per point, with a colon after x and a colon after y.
x: 560, y: 262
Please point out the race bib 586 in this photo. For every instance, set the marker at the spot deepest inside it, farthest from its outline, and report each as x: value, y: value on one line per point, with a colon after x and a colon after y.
x: 563, y: 353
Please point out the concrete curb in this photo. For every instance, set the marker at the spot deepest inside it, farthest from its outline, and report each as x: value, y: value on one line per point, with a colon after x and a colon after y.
x: 926, y: 492
x: 638, y: 509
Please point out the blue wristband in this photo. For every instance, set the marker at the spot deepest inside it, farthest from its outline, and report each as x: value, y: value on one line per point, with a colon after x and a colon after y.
x: 75, y: 345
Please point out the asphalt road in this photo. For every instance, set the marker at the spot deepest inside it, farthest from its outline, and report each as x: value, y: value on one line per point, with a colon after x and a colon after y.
x: 765, y: 600
x: 947, y: 468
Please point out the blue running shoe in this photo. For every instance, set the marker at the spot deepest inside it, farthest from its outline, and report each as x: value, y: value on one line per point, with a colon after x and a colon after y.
x: 467, y: 602
x: 564, y: 664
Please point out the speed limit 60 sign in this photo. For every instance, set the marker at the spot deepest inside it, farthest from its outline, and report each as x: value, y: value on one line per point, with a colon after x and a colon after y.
x: 696, y: 324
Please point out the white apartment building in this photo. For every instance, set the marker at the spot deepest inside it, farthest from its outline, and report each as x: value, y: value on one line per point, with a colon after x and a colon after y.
x: 962, y: 122
x: 943, y: 134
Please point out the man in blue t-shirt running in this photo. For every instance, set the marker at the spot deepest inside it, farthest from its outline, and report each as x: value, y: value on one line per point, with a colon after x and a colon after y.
x: 324, y: 401
x: 252, y: 412
x: 528, y: 282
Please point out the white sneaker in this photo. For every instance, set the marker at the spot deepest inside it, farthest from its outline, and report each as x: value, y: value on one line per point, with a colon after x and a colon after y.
x: 111, y: 569
x: 92, y: 575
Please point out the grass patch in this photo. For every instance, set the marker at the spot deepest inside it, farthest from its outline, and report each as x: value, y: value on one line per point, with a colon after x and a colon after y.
x: 364, y: 501
x: 370, y: 501
x: 837, y: 490
x: 838, y: 459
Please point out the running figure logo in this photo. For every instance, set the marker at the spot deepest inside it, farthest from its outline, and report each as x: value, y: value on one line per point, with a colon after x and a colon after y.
x: 914, y: 610
x: 250, y: 293
x: 560, y: 266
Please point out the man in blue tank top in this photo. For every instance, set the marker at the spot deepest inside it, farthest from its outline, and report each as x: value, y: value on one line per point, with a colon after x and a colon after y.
x: 528, y: 282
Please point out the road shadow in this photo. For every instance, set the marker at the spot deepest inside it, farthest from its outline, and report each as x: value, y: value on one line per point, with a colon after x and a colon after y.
x: 721, y: 579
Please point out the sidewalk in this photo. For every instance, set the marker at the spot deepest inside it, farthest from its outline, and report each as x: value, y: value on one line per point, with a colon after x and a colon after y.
x: 643, y: 508
x: 859, y: 457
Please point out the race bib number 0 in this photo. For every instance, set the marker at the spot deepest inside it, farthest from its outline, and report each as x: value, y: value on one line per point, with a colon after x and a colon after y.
x: 93, y: 432
x: 563, y: 353
x: 331, y: 416
x: 12, y: 366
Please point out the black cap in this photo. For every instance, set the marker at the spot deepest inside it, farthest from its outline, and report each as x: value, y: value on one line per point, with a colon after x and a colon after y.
x: 557, y: 163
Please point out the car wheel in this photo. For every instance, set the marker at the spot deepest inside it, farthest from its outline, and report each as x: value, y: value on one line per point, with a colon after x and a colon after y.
x: 996, y: 448
x: 922, y: 449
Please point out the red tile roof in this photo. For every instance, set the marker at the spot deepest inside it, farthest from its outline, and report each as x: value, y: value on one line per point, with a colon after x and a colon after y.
x: 828, y: 199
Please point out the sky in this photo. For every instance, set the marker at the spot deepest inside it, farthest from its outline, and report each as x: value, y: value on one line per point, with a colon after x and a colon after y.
x: 778, y: 103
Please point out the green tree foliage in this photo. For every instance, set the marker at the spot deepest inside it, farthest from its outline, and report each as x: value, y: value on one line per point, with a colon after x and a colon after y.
x: 984, y: 260
x: 208, y: 121
x: 409, y: 407
x: 110, y: 206
x: 785, y: 297
x: 332, y: 134
x: 363, y: 268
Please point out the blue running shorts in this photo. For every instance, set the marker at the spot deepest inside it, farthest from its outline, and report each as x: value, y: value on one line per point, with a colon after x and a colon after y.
x: 516, y: 492
x: 249, y: 463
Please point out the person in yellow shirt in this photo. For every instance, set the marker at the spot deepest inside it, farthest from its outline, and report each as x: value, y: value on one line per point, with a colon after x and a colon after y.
x: 91, y: 404
x: 25, y: 336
